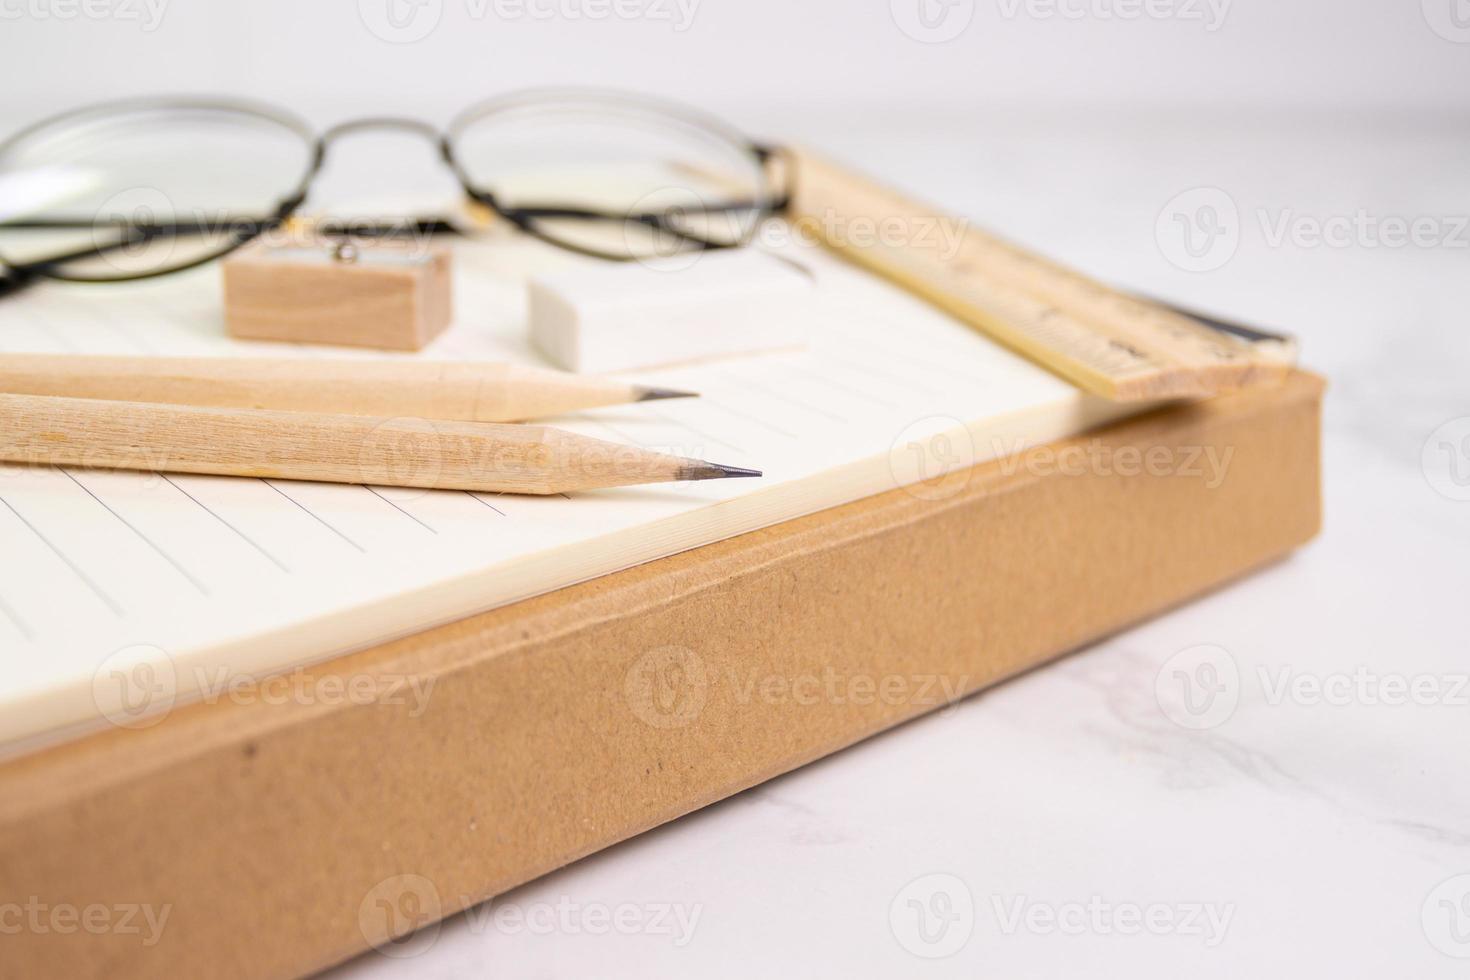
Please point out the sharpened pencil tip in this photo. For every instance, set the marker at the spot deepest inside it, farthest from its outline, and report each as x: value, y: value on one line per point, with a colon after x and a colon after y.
x: 659, y: 394
x: 715, y: 471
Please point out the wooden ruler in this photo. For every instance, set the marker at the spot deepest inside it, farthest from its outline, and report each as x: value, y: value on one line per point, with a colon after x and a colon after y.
x: 1121, y: 347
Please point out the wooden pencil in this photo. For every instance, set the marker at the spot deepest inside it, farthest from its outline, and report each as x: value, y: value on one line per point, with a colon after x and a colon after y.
x: 455, y: 390
x: 443, y: 455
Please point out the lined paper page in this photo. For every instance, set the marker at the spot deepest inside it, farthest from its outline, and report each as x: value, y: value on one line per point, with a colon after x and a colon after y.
x: 192, y: 576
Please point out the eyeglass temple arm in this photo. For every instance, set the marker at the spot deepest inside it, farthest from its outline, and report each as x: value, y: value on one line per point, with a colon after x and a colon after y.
x: 781, y: 160
x: 522, y: 217
x: 237, y: 224
x: 765, y: 154
x: 16, y: 276
x: 134, y: 232
x: 13, y: 280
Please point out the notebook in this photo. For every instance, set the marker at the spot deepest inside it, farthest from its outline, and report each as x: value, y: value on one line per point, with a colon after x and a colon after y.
x: 125, y: 594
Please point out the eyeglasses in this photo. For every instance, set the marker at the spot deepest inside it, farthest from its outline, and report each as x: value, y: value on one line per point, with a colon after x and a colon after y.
x: 132, y: 189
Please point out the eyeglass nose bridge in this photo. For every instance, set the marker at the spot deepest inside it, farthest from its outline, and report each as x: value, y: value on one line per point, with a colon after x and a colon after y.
x: 350, y: 127
x: 403, y: 124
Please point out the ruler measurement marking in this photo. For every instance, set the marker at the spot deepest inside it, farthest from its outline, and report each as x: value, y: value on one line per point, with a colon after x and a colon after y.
x: 1106, y: 341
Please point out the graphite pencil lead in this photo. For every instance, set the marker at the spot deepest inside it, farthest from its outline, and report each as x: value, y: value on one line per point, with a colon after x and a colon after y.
x: 699, y: 470
x: 659, y: 394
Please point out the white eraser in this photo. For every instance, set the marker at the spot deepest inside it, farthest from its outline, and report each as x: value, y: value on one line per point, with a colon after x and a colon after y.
x: 633, y: 315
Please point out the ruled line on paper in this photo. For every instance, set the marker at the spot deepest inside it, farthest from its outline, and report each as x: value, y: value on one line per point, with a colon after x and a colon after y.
x: 686, y: 429
x: 883, y: 376
x: 97, y: 590
x: 700, y: 433
x: 748, y: 418
x: 783, y: 397
x: 890, y: 353
x: 55, y: 336
x: 820, y: 378
x: 474, y: 496
x: 157, y: 548
x: 46, y: 337
x: 619, y: 433
x: 315, y: 516
x: 242, y: 535
x: 15, y: 618
x: 400, y: 510
x: 129, y: 338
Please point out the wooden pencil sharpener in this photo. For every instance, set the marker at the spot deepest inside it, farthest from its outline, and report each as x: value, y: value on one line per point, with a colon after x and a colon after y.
x: 389, y: 296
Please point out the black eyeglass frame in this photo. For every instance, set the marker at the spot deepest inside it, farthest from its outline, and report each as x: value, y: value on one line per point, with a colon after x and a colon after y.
x: 16, y: 275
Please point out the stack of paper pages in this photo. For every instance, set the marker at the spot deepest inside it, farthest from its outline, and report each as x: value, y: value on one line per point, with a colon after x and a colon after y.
x: 186, y: 582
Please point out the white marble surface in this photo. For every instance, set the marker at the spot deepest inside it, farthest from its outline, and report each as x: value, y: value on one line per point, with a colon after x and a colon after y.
x: 1293, y: 837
